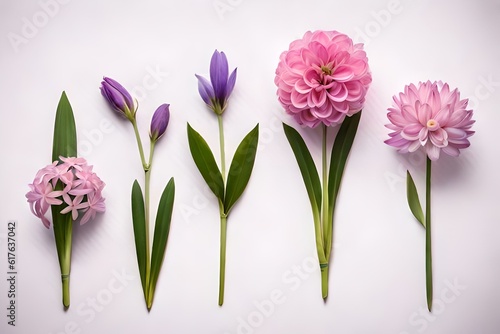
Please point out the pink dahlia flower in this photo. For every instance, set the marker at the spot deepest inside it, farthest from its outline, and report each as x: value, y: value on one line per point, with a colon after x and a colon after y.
x: 430, y: 116
x: 323, y: 78
x: 80, y: 194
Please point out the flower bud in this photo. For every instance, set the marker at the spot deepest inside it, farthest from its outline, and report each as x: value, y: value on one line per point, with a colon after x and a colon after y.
x: 215, y: 92
x: 159, y: 122
x: 118, y: 98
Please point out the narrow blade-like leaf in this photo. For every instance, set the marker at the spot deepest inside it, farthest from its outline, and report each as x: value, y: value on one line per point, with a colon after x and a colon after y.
x: 205, y: 161
x: 64, y: 130
x: 340, y: 152
x: 139, y: 223
x: 241, y: 168
x: 413, y: 201
x: 306, y: 165
x: 162, y: 227
x: 64, y: 144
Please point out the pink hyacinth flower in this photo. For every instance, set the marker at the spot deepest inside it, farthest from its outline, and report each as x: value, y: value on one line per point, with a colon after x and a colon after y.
x: 80, y: 195
x: 430, y: 116
x: 323, y: 78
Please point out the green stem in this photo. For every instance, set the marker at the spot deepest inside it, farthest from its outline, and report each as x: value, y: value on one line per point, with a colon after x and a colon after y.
x: 66, y: 260
x: 324, y: 280
x: 65, y: 290
x: 147, y: 173
x: 428, y: 252
x: 222, y: 271
x: 326, y: 223
x: 222, y: 150
x: 147, y: 176
x: 139, y: 144
x: 324, y: 209
x: 223, y: 216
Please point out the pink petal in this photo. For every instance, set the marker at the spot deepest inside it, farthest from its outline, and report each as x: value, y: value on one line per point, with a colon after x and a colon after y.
x: 409, y: 113
x: 424, y: 112
x: 450, y: 150
x: 342, y: 74
x: 411, y: 131
x: 432, y: 151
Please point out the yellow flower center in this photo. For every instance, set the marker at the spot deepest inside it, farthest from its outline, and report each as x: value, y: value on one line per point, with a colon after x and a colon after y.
x: 326, y: 70
x: 432, y: 124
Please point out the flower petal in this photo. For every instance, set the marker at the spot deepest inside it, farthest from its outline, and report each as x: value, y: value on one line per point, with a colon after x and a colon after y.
x: 231, y: 82
x: 205, y: 89
x: 219, y: 71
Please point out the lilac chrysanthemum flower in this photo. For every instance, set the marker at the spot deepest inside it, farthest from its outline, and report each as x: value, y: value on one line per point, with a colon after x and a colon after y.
x: 216, y: 92
x: 80, y: 194
x: 430, y: 116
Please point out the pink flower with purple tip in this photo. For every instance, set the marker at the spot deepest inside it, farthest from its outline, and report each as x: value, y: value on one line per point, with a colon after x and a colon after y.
x: 323, y: 78
x: 216, y: 92
x: 80, y: 194
x: 432, y: 117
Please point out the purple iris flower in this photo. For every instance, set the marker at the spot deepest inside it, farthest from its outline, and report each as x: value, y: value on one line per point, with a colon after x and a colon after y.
x: 118, y: 97
x: 159, y: 122
x: 216, y: 92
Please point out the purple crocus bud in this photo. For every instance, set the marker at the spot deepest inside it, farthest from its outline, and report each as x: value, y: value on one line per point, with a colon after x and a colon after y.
x: 216, y: 92
x: 118, y: 98
x: 159, y: 122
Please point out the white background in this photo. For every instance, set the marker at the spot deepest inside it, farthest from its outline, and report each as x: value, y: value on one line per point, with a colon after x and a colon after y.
x: 377, y: 271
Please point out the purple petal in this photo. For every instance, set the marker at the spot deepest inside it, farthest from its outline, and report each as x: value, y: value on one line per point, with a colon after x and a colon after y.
x: 121, y: 90
x: 231, y: 82
x: 205, y: 89
x: 159, y: 121
x: 218, y: 74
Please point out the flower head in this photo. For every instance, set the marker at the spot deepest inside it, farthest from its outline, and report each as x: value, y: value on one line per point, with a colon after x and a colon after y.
x: 80, y: 193
x: 323, y: 78
x: 159, y: 122
x: 118, y: 97
x: 216, y: 92
x: 430, y: 116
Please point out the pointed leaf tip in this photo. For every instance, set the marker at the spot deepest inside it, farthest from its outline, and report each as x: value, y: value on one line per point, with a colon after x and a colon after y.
x: 413, y: 200
x: 241, y: 168
x: 307, y: 167
x: 139, y: 224
x: 64, y: 142
x: 162, y: 228
x: 205, y: 161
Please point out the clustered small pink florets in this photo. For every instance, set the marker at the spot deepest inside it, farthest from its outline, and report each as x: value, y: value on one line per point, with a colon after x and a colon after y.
x: 71, y: 184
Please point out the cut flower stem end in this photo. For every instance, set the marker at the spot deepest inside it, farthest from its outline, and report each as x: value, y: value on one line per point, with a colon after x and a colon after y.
x: 65, y: 291
x: 324, y: 281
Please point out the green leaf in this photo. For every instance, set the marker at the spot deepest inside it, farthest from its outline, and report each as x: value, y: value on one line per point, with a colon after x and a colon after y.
x: 205, y: 161
x: 413, y: 201
x: 241, y: 168
x: 64, y: 144
x: 340, y: 152
x: 64, y: 130
x: 162, y: 227
x: 306, y: 165
x: 139, y: 223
